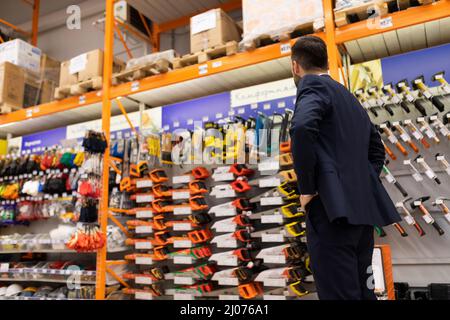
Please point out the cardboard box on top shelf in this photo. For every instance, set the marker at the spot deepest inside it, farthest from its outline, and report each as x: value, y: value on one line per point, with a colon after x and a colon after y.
x: 47, y: 91
x: 22, y: 54
x: 279, y: 17
x: 213, y: 28
x: 85, y: 67
x: 12, y: 79
x: 50, y: 68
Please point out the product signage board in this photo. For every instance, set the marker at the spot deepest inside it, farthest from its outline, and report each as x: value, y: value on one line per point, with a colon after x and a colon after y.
x: 403, y: 66
x: 118, y: 123
x: 36, y: 143
x: 183, y: 115
x: 267, y: 98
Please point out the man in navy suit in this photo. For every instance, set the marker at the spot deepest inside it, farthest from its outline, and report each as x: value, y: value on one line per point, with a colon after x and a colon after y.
x: 338, y: 157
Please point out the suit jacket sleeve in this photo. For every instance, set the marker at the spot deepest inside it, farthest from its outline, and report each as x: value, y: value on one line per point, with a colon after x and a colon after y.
x: 377, y: 154
x: 312, y: 105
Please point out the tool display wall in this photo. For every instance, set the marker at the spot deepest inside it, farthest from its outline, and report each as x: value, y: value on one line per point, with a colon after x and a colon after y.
x: 212, y: 231
x: 413, y: 121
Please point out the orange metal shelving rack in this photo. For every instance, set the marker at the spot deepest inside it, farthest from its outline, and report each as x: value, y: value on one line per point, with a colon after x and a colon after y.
x: 333, y: 36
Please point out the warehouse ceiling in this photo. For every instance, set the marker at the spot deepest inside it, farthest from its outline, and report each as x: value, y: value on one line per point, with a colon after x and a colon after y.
x: 18, y: 11
x: 168, y: 10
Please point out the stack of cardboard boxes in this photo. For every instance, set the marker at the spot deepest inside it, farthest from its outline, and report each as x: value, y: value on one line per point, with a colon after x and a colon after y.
x: 85, y: 67
x: 27, y: 76
x: 213, y: 28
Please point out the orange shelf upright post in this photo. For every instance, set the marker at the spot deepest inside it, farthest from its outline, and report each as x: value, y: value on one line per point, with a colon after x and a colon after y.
x: 35, y: 22
x: 106, y: 123
x: 333, y: 52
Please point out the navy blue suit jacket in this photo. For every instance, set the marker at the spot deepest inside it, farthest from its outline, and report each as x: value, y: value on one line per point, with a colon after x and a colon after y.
x: 338, y: 153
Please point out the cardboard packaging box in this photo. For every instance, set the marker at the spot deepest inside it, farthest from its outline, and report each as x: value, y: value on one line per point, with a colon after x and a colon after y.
x: 12, y: 80
x: 85, y: 67
x: 212, y: 28
x: 22, y: 54
x: 50, y: 68
x: 277, y: 17
x: 47, y: 91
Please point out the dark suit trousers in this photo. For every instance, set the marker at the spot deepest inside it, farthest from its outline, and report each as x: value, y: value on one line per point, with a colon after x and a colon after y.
x: 340, y: 256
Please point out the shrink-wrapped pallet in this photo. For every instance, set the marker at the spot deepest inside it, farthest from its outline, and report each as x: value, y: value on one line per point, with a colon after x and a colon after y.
x: 276, y: 18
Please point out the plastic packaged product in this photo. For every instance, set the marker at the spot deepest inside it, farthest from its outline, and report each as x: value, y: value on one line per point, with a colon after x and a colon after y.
x: 61, y: 235
x: 10, y: 242
x: 44, y: 241
x: 168, y: 55
x: 28, y: 242
x: 274, y: 18
x: 344, y: 4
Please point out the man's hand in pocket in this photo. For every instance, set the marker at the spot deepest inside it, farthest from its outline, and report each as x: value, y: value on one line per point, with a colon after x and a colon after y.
x: 305, y: 199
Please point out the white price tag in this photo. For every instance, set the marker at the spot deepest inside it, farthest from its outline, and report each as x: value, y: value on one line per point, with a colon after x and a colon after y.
x: 392, y: 139
x: 227, y: 244
x: 273, y: 218
x: 225, y: 212
x: 228, y: 176
x: 229, y: 297
x: 226, y: 227
x: 390, y: 178
x: 143, y: 280
x: 182, y: 244
x: 135, y: 86
x: 409, y: 220
x: 4, y: 267
x: 144, y: 260
x: 417, y: 177
x: 183, y: 296
x: 405, y: 137
x: 217, y: 64
x: 145, y: 183
x: 143, y: 214
x: 275, y: 282
x: 429, y: 133
x: 417, y: 135
x: 271, y: 201
x: 203, y: 69
x: 144, y: 198
x: 281, y: 104
x: 178, y: 195
x: 144, y: 229
x: 228, y: 281
x: 386, y: 23
x: 182, y: 227
x: 428, y: 219
x: 269, y: 182
x: 143, y: 296
x: 226, y: 193
x: 281, y: 259
x: 182, y: 260
x: 269, y: 166
x: 182, y: 210
x: 272, y: 238
x: 228, y: 261
x: 181, y: 179
x: 184, y: 280
x: 444, y: 131
x: 447, y: 216
x: 285, y: 48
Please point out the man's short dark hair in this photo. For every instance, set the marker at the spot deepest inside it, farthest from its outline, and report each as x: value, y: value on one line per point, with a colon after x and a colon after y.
x: 311, y: 53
